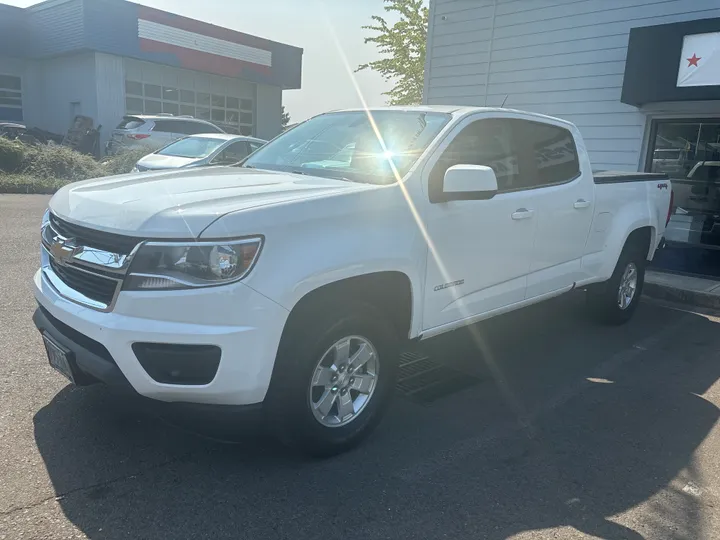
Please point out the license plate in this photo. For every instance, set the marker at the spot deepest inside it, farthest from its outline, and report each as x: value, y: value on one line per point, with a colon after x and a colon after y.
x: 58, y: 358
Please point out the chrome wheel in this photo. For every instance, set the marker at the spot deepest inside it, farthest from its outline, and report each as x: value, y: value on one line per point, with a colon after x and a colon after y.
x: 344, y: 381
x: 628, y: 286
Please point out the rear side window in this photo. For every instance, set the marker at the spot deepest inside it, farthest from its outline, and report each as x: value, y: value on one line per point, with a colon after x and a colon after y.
x: 555, y: 155
x: 130, y: 122
x: 166, y: 126
x: 193, y: 128
x: 209, y: 128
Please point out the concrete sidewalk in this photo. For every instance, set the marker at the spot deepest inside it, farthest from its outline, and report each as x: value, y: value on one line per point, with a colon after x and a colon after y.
x: 684, y: 289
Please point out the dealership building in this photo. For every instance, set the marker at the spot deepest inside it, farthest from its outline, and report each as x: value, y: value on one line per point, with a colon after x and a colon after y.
x: 107, y: 58
x: 640, y: 78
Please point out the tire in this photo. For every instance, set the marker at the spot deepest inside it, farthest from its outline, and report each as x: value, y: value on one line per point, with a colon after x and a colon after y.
x: 604, y: 300
x: 295, y: 409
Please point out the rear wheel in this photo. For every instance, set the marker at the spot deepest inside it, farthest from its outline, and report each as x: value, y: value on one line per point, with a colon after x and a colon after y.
x: 615, y: 301
x: 332, y: 381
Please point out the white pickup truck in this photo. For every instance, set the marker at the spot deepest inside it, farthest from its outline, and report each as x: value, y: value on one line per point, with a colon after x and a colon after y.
x: 291, y: 280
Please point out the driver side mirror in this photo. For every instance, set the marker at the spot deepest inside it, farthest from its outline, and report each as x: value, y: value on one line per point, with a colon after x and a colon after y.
x: 469, y: 183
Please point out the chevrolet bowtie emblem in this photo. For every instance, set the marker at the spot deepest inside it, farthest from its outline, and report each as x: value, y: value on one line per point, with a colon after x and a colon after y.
x: 63, y: 249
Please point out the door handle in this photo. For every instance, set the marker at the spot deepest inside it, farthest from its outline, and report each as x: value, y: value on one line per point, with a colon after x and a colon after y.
x: 581, y: 203
x: 522, y: 213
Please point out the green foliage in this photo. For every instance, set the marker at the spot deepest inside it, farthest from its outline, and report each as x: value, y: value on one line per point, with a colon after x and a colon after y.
x: 46, y: 168
x: 56, y: 161
x: 11, y: 155
x: 24, y: 183
x: 285, y: 118
x: 403, y: 46
x: 122, y: 163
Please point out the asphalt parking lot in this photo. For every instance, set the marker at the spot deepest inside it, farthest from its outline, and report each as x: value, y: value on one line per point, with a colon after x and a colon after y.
x: 572, y: 431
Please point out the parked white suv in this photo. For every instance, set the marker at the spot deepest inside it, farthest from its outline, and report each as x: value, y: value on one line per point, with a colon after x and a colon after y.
x: 153, y: 132
x: 292, y: 280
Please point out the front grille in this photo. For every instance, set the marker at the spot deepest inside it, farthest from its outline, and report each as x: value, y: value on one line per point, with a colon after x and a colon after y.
x: 94, y: 286
x: 114, y: 243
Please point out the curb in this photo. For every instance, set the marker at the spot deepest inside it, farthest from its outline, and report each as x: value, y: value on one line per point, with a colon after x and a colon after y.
x: 682, y: 296
x: 26, y: 189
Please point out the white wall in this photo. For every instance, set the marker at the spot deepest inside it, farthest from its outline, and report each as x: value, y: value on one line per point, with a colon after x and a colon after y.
x: 96, y: 82
x: 62, y: 81
x: 110, y: 89
x: 565, y: 58
x: 18, y: 68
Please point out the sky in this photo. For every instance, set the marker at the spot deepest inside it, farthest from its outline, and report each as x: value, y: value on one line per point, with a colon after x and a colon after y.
x: 327, y: 30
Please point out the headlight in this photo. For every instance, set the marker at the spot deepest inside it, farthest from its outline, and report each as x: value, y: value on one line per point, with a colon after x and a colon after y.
x: 45, y: 219
x: 170, y: 265
x: 135, y: 169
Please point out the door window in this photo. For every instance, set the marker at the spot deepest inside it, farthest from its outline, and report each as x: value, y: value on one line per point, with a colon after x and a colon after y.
x: 191, y: 128
x: 554, y: 153
x: 165, y: 126
x: 232, y: 154
x: 485, y: 142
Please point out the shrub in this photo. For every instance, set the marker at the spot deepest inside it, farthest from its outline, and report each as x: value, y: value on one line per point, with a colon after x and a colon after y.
x: 23, y: 183
x: 122, y: 163
x: 61, y: 162
x: 11, y: 155
x: 46, y: 168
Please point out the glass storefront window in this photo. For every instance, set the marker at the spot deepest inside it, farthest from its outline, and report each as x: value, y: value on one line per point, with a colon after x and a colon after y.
x: 689, y: 153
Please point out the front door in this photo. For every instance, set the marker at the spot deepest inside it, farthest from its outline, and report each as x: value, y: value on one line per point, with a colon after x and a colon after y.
x: 480, y: 250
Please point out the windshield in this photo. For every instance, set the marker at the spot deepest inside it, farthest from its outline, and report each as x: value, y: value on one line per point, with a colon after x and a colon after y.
x: 344, y: 145
x: 191, y: 147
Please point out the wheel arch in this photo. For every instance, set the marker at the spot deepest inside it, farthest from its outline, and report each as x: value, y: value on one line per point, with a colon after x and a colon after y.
x: 389, y: 291
x: 643, y: 237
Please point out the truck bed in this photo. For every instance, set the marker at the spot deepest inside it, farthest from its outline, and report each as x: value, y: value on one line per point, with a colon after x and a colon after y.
x: 618, y: 177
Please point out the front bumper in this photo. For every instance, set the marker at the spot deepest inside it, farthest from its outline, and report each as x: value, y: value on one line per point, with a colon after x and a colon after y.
x: 244, y: 324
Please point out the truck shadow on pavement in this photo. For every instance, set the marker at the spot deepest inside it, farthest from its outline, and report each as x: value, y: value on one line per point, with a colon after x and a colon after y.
x: 544, y: 448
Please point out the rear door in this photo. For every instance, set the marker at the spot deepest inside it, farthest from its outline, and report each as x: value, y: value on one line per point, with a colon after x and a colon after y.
x: 165, y: 132
x: 563, y: 198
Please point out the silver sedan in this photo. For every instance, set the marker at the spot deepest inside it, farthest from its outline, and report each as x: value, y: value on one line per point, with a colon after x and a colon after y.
x: 200, y: 150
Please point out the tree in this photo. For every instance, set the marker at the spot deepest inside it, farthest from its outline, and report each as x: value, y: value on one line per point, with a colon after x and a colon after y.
x: 403, y: 46
x: 285, y: 118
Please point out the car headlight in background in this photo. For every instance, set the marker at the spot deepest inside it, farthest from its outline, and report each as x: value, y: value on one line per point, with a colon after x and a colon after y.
x: 135, y: 169
x: 170, y: 265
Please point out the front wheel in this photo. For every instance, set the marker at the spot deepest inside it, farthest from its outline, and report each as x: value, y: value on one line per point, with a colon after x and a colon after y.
x: 615, y: 301
x: 332, y: 381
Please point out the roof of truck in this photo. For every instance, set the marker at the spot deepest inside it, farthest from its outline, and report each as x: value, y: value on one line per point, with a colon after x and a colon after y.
x: 456, y: 110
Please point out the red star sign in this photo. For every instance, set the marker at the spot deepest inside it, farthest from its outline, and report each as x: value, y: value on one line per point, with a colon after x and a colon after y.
x: 694, y: 60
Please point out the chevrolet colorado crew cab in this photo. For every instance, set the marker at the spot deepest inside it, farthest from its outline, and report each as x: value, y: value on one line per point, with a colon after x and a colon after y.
x: 291, y: 280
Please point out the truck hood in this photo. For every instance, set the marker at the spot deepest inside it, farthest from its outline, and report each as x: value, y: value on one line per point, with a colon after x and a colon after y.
x: 182, y: 203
